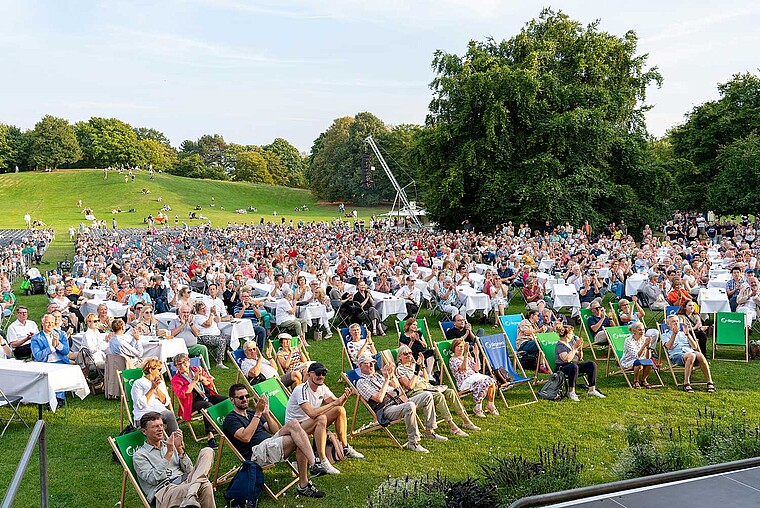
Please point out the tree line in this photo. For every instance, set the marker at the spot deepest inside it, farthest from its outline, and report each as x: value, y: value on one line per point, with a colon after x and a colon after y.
x: 109, y: 142
x: 549, y: 125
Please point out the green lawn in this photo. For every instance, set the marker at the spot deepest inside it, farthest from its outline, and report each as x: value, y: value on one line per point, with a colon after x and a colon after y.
x: 83, y: 474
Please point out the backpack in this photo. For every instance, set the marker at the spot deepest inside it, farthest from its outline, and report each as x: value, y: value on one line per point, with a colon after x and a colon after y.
x: 528, y: 360
x: 246, y: 487
x: 554, y: 388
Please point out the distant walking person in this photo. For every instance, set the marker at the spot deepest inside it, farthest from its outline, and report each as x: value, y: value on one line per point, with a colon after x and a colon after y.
x: 28, y: 220
x: 113, y: 222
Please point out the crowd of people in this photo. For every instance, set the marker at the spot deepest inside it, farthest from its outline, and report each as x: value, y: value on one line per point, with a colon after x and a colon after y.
x: 240, y: 268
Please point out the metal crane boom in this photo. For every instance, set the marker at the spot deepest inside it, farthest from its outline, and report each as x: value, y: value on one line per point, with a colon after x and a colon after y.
x: 400, y: 192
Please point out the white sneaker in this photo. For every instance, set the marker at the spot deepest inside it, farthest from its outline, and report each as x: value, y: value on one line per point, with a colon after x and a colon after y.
x: 329, y: 468
x: 435, y: 437
x: 416, y: 447
x: 596, y: 393
x: 573, y: 396
x: 350, y: 453
x: 221, y: 366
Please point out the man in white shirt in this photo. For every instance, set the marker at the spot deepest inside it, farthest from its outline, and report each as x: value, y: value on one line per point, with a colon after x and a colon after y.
x: 315, y: 407
x: 20, y: 332
x: 411, y: 296
x: 216, y: 301
x: 286, y: 318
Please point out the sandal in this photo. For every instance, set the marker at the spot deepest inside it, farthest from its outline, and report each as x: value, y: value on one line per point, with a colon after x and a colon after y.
x: 710, y: 387
x: 636, y: 385
x: 687, y: 388
x: 646, y: 385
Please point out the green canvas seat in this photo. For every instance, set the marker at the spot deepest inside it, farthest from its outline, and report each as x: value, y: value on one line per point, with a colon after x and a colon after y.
x: 127, y: 378
x: 124, y: 448
x: 730, y: 331
x: 618, y: 335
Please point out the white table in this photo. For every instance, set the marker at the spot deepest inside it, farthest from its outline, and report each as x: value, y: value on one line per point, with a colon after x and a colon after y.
x: 165, y: 318
x: 473, y: 300
x: 482, y: 267
x: 387, y: 305
x: 713, y: 300
x: 423, y: 287
x: 95, y: 294
x: 115, y: 309
x: 261, y: 289
x: 237, y: 329
x: 313, y: 311
x: 545, y: 264
x: 565, y: 295
x: 634, y: 283
x: 78, y: 339
x: 424, y: 271
x: 719, y: 281
x: 37, y: 382
x: 162, y: 348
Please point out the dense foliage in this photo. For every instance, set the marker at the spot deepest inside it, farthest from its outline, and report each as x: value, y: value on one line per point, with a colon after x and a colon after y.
x: 719, y: 146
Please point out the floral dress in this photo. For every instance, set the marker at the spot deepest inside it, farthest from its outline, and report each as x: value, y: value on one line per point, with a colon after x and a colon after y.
x: 469, y: 379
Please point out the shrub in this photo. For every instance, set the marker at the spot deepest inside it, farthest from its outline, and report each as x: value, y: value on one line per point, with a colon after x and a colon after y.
x: 515, y: 477
x: 650, y: 453
x: 724, y: 439
x: 436, y: 492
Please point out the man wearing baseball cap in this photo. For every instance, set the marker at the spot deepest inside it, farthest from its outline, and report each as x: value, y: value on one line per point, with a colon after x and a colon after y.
x: 384, y: 395
x: 315, y: 407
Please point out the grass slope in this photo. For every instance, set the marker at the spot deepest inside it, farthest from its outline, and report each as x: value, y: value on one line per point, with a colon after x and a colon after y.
x: 52, y: 197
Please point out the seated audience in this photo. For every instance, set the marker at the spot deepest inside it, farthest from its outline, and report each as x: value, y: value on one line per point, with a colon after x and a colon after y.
x: 637, y: 354
x: 124, y: 344
x: 50, y: 346
x: 412, y: 337
x: 568, y: 357
x: 465, y: 369
x: 183, y: 327
x: 149, y: 394
x: 257, y: 368
x: 209, y: 334
x: 684, y: 352
x: 688, y: 315
x: 358, y: 346
x: 20, y: 333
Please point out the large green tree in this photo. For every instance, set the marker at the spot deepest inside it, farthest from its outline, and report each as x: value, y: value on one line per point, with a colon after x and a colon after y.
x: 53, y: 143
x: 548, y: 125
x: 291, y: 159
x: 736, y: 188
x: 109, y: 142
x: 708, y: 128
x: 6, y: 149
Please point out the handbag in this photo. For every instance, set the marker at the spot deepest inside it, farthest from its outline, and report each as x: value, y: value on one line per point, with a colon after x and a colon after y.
x: 502, y: 376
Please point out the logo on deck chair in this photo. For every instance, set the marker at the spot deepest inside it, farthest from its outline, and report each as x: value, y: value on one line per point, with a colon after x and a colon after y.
x: 129, y: 451
x: 730, y: 321
x: 495, y: 345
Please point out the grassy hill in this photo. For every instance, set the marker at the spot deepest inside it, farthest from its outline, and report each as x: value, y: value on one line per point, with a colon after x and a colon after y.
x: 52, y: 198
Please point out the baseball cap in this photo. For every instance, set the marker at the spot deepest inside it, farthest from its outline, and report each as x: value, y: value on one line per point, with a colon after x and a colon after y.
x: 316, y: 367
x: 366, y: 358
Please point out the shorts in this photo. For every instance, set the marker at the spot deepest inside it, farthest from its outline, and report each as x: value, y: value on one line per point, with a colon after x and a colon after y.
x: 269, y: 451
x: 677, y: 358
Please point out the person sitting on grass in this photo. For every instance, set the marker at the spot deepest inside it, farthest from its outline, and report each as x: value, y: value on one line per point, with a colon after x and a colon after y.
x: 258, y: 437
x: 568, y: 358
x: 314, y: 406
x: 684, y: 351
x: 637, y: 352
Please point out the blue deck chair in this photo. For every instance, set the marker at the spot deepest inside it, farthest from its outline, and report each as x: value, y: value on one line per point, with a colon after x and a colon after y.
x: 351, y: 378
x: 345, y: 338
x: 497, y: 356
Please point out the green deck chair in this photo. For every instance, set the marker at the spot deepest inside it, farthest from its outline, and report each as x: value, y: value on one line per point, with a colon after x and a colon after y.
x: 729, y: 331
x: 547, y: 343
x: 124, y: 448
x: 278, y: 397
x: 127, y: 378
x: 585, y: 314
x: 618, y: 335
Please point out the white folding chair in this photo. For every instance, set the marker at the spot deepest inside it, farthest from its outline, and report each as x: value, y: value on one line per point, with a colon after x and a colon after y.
x: 13, y: 402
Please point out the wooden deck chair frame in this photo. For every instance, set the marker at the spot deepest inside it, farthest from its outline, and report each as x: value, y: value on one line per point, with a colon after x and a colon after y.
x: 618, y: 336
x: 240, y: 376
x: 128, y: 472
x: 443, y: 353
x: 273, y: 345
x: 421, y: 325
x: 517, y: 379
x: 544, y: 341
x: 343, y: 333
x: 733, y: 324
x: 197, y: 416
x: 374, y: 424
x: 126, y: 395
x: 663, y: 327
x: 229, y: 475
x: 585, y: 313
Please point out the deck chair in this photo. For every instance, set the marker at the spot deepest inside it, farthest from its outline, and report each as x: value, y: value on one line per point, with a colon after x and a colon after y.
x: 729, y: 331
x: 585, y: 314
x: 618, y: 335
x: 443, y: 352
x: 237, y: 356
x: 664, y: 352
x: 195, y: 361
x: 274, y: 346
x: 445, y: 326
x: 13, y: 402
x: 351, y: 378
x: 615, y: 310
x: 215, y: 415
x: 126, y: 379
x: 422, y: 326
x: 547, y: 343
x: 496, y: 354
x: 124, y: 448
x: 345, y: 338
x: 671, y: 310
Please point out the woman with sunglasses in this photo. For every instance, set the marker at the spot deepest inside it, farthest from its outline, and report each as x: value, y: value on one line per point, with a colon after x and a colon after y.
x: 94, y: 341
x: 195, y: 390
x: 149, y: 394
x: 414, y: 378
x: 146, y: 324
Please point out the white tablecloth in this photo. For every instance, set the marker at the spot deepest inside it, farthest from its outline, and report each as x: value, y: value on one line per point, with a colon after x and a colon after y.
x: 634, y: 283
x: 37, y: 382
x: 162, y: 348
x: 565, y: 295
x: 424, y: 271
x: 712, y: 300
x: 165, y: 318
x: 261, y: 289
x: 237, y: 329
x: 719, y: 280
x: 423, y: 287
x: 115, y: 309
x: 94, y: 294
x: 314, y: 311
x: 473, y: 301
x: 388, y: 305
x: 481, y: 268
x: 545, y: 264
x: 78, y: 339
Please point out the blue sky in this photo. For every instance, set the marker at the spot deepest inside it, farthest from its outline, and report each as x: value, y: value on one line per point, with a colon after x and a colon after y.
x: 256, y: 70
